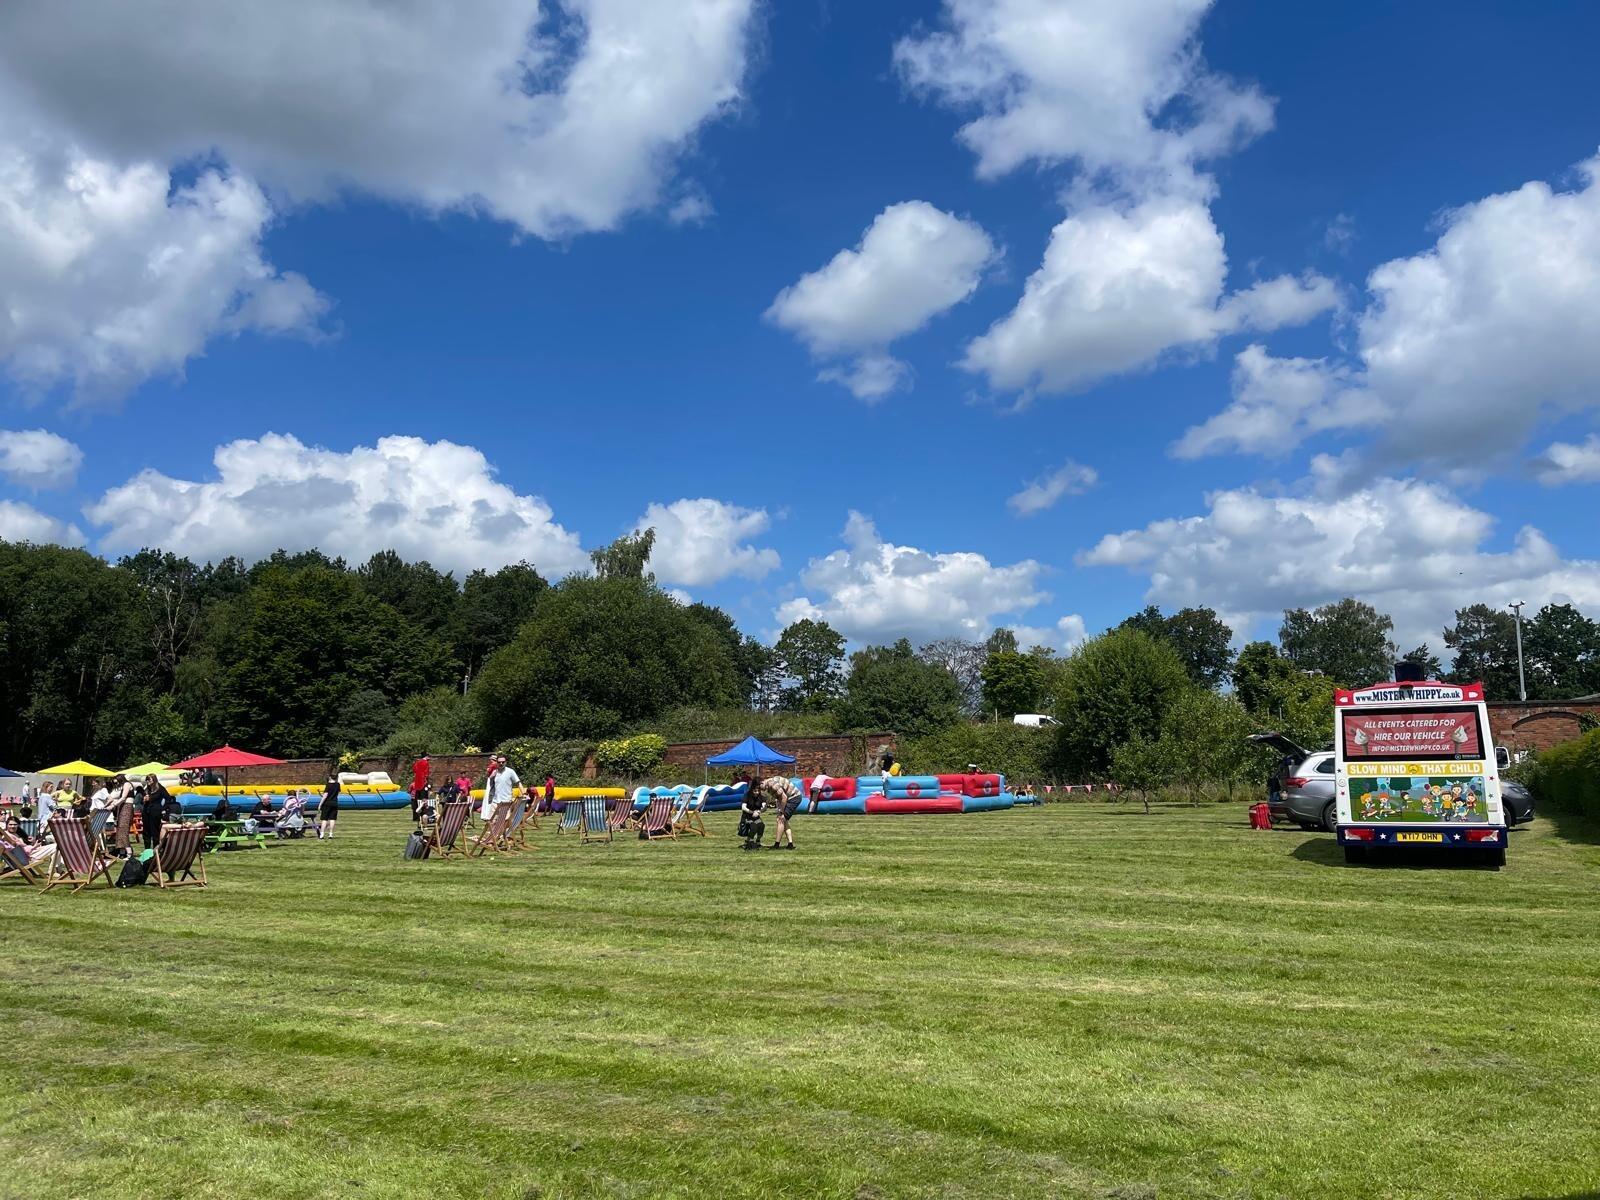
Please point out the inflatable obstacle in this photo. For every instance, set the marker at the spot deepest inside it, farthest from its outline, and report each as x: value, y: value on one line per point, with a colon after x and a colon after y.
x: 373, y: 790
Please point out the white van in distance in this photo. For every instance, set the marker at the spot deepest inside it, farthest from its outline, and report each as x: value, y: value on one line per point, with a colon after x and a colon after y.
x: 1036, y: 720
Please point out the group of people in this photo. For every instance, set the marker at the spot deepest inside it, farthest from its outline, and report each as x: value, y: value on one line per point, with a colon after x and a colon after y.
x: 122, y: 796
x: 501, y: 785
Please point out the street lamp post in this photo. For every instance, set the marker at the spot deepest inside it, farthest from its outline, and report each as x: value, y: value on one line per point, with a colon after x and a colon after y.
x: 1522, y: 678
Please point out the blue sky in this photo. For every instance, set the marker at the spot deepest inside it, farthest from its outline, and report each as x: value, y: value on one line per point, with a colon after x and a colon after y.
x: 252, y: 230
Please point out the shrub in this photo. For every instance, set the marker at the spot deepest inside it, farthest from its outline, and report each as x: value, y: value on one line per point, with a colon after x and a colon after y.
x: 534, y: 758
x: 1568, y: 776
x: 631, y: 757
x: 1019, y: 752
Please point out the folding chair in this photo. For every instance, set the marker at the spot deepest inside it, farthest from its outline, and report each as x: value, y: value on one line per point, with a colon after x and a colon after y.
x: 178, y: 856
x: 77, y: 860
x: 18, y: 858
x: 98, y: 821
x: 447, y: 828
x: 571, y: 817
x: 517, y: 829
x: 621, y: 815
x: 691, y: 819
x: 596, y: 820
x: 657, y: 819
x: 493, y: 834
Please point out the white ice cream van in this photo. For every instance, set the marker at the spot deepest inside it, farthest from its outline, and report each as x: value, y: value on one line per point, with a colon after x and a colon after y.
x: 1416, y: 767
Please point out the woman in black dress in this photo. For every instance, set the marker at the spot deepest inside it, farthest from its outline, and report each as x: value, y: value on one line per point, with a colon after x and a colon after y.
x: 328, y: 810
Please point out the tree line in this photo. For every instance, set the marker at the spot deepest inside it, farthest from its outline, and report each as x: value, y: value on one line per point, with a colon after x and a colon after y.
x: 302, y: 655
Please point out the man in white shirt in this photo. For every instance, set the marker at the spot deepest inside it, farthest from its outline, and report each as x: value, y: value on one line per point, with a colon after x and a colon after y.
x: 502, y: 786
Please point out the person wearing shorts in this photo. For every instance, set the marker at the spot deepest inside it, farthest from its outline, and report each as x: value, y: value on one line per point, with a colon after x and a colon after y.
x: 328, y: 810
x: 819, y: 786
x: 786, y: 798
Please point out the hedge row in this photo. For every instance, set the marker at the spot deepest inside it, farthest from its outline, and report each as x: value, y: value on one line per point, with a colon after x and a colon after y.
x: 1568, y: 776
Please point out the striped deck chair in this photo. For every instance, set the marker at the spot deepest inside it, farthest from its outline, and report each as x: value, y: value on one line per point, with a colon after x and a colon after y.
x: 493, y: 833
x: 657, y: 818
x: 99, y: 822
x: 517, y: 829
x: 620, y: 816
x: 571, y: 818
x: 446, y: 831
x: 690, y: 818
x: 29, y: 830
x: 77, y: 859
x: 178, y: 856
x: 596, y: 820
x: 20, y: 860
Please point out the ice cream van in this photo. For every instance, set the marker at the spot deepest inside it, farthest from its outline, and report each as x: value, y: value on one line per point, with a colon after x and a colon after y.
x: 1415, y: 766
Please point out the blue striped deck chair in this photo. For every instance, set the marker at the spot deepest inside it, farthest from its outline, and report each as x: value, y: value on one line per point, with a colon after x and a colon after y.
x: 571, y: 817
x: 689, y: 818
x: 517, y: 830
x: 596, y: 820
x: 24, y: 861
x: 97, y: 830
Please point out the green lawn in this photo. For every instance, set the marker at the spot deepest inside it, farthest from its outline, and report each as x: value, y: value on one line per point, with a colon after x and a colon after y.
x: 1073, y: 1001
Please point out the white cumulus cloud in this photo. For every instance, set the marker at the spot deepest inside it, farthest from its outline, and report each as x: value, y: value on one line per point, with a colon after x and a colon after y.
x: 1085, y: 81
x: 875, y: 591
x: 1412, y: 549
x: 556, y: 118
x: 1069, y: 479
x: 427, y: 500
x: 702, y: 541
x: 1462, y: 350
x: 38, y: 459
x: 111, y: 274
x: 913, y: 262
x: 23, y: 523
x: 1121, y: 286
x: 1570, y: 462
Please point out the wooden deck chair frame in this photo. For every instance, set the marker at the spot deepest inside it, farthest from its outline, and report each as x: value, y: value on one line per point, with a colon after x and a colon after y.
x: 76, y: 860
x: 98, y: 822
x: 23, y: 861
x: 596, y: 820
x: 657, y: 819
x: 493, y: 833
x: 179, y: 859
x: 571, y: 817
x: 693, y: 817
x: 449, y: 825
x: 516, y: 838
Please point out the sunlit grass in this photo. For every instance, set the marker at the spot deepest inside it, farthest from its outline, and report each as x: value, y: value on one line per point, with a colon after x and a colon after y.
x: 1075, y: 1001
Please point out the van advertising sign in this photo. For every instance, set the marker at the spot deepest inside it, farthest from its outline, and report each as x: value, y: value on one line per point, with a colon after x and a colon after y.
x: 1397, y: 734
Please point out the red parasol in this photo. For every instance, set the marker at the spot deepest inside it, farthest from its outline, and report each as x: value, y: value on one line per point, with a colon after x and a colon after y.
x: 224, y: 757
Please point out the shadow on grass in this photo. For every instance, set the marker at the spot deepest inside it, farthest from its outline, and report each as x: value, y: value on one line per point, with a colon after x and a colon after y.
x: 1572, y: 827
x: 1326, y: 852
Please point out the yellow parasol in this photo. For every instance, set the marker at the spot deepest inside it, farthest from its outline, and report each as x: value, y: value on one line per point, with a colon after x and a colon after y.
x: 76, y: 767
x: 149, y: 768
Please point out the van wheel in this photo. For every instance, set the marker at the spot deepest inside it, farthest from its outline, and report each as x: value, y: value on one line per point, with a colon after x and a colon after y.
x: 1330, y: 817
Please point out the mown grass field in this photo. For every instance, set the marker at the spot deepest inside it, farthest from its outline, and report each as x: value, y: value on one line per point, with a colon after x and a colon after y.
x: 1074, y: 1001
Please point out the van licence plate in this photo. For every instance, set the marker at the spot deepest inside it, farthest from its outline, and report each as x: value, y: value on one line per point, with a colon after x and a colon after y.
x: 1419, y: 837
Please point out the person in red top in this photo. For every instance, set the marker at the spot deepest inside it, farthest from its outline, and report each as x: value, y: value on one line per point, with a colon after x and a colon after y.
x: 550, y: 793
x: 420, y: 771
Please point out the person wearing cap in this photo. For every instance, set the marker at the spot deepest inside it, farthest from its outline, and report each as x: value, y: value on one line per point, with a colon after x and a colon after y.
x: 502, y: 787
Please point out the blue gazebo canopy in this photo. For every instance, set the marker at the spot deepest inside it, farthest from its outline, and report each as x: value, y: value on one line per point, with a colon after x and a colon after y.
x: 5, y: 774
x: 751, y: 752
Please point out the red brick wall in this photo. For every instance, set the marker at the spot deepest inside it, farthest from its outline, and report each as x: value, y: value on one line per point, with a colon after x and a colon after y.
x: 307, y: 772
x: 1538, y: 725
x: 846, y: 754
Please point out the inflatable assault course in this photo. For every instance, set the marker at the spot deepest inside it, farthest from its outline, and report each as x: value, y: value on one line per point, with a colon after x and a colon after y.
x: 866, y: 795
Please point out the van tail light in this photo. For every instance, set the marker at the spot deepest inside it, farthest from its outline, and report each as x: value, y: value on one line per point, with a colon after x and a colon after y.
x: 1296, y: 781
x: 1359, y: 835
x: 1483, y: 835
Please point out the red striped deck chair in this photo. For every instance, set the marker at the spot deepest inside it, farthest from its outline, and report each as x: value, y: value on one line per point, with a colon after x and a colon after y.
x: 493, y: 834
x: 22, y: 861
x: 596, y: 820
x: 443, y: 839
x: 77, y: 860
x: 691, y: 818
x: 657, y: 818
x: 621, y: 815
x: 179, y: 857
x: 571, y: 817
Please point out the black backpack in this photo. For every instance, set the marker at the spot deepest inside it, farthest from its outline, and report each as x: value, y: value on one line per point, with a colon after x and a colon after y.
x: 135, y: 871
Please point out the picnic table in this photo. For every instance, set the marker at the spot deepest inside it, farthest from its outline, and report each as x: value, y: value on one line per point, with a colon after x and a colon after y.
x: 230, y: 833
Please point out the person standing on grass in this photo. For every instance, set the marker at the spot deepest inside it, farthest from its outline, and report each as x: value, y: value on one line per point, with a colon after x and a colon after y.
x: 421, y: 771
x: 154, y: 812
x: 502, y: 787
x: 122, y: 802
x: 786, y: 800
x: 328, y: 810
x: 549, y: 793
